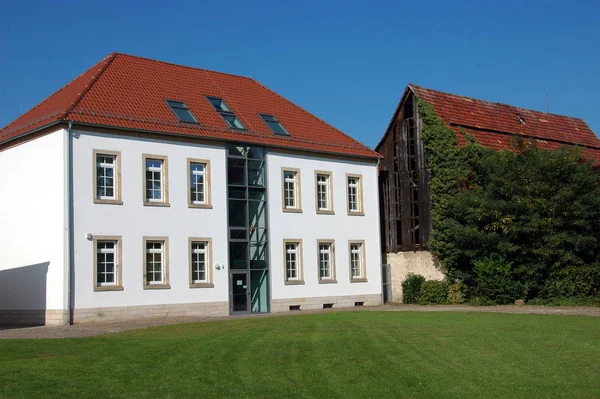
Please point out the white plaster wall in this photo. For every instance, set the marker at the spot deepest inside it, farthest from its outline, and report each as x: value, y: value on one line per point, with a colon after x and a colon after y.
x: 32, y: 221
x: 403, y: 263
x: 310, y: 226
x: 133, y: 220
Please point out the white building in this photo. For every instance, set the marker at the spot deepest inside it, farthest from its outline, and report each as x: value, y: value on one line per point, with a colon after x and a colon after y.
x: 145, y: 189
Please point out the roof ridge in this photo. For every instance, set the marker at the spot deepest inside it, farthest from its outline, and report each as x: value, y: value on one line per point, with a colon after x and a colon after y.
x: 412, y: 85
x: 66, y: 111
x: 93, y: 81
x: 181, y: 66
x: 314, y: 116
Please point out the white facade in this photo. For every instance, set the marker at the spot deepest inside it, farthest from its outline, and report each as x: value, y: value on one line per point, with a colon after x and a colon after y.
x: 34, y: 173
x: 32, y: 233
x: 133, y: 220
x: 309, y: 226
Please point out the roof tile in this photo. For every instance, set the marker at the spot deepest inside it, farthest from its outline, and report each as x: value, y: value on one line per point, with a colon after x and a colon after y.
x: 125, y: 91
x: 492, y: 124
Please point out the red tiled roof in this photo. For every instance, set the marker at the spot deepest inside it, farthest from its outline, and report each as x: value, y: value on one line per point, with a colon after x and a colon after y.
x: 124, y: 91
x: 494, y: 124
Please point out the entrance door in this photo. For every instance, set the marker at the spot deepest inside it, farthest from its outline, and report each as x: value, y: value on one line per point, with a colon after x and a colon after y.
x: 239, y: 293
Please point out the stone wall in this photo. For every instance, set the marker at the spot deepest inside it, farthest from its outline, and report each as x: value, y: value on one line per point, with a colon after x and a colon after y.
x: 120, y: 313
x: 402, y: 263
x: 314, y: 303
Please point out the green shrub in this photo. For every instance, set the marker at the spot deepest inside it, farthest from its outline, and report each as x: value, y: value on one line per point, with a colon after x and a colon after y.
x: 411, y: 288
x: 457, y: 293
x: 480, y: 301
x: 434, y: 293
x: 495, y: 281
x: 575, y: 282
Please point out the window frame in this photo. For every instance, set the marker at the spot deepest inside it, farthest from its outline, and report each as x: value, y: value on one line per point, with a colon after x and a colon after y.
x: 359, y: 195
x: 207, y: 184
x: 208, y: 260
x: 329, y: 210
x: 332, y: 279
x: 164, y: 180
x: 185, y: 107
x: 299, y: 262
x: 363, y: 269
x: 263, y: 116
x: 118, y: 286
x: 165, y: 263
x: 228, y: 112
x: 297, y: 190
x: 116, y: 177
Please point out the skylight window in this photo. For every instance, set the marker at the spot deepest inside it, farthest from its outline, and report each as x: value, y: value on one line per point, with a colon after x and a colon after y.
x: 226, y: 113
x: 181, y: 111
x: 274, y: 124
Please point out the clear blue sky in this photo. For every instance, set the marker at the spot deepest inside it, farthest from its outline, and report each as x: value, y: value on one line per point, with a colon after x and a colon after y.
x: 348, y: 62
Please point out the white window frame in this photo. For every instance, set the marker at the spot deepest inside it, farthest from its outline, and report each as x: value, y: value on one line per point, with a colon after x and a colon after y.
x: 295, y: 190
x: 327, y: 186
x: 331, y: 255
x: 295, y: 249
x: 164, y: 264
x: 357, y: 261
x: 115, y: 199
x: 207, y: 251
x: 117, y: 284
x: 354, y: 200
x: 193, y: 203
x: 164, y: 179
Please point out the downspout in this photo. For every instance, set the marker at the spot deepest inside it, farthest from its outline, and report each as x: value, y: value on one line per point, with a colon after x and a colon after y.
x: 69, y: 224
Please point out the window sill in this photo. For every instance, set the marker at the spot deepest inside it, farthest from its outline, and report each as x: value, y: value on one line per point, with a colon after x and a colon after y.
x: 356, y: 213
x: 294, y: 282
x: 358, y: 280
x: 200, y: 206
x: 108, y: 288
x: 159, y: 204
x: 202, y: 285
x: 325, y: 212
x: 108, y: 202
x: 327, y: 281
x: 291, y: 210
x: 157, y: 287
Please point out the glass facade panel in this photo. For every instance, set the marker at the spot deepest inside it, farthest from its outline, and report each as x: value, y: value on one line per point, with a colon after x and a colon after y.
x: 236, y: 172
x: 248, y: 247
x: 238, y: 255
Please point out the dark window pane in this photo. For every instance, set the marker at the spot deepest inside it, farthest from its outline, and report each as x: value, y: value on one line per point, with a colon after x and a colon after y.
x: 219, y: 104
x: 236, y: 171
x: 256, y: 194
x: 181, y: 111
x: 237, y: 151
x: 237, y: 214
x: 233, y: 121
x: 274, y: 125
x: 238, y: 255
x: 256, y: 175
x: 238, y: 234
x: 256, y: 153
x: 237, y: 192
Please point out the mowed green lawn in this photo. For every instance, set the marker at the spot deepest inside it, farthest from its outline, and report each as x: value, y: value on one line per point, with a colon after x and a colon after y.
x: 326, y: 355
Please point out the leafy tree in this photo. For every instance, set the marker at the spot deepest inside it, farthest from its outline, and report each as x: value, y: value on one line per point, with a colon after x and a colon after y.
x: 533, y: 209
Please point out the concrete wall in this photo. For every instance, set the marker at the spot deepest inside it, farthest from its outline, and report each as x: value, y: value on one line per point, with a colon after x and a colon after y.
x: 403, y: 263
x: 32, y: 233
x: 310, y: 227
x: 132, y: 221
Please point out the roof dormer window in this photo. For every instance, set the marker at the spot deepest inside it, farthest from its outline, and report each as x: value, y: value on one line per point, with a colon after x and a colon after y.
x: 181, y: 111
x: 232, y: 121
x: 275, y: 126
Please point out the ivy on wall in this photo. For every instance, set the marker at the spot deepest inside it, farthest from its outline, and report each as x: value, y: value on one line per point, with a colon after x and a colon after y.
x: 526, y: 221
